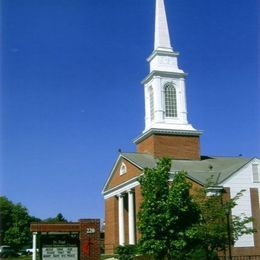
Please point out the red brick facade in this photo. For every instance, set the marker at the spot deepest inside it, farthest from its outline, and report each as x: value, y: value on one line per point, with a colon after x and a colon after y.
x: 92, y: 240
x: 132, y: 171
x: 111, y: 224
x: 173, y: 146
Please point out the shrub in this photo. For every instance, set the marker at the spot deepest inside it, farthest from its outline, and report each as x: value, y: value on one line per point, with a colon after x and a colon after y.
x: 126, y: 252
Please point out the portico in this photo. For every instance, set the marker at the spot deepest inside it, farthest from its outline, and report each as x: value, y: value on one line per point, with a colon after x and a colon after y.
x: 128, y: 207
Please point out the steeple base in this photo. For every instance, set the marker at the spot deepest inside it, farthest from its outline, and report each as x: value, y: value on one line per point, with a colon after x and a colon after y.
x: 170, y: 143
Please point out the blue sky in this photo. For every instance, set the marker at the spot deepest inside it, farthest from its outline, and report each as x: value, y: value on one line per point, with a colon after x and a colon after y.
x: 71, y: 92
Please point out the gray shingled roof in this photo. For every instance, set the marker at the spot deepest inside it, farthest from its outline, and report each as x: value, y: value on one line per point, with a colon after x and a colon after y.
x: 219, y: 168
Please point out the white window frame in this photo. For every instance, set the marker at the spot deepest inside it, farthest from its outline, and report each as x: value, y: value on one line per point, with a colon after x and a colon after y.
x: 123, y: 169
x: 173, y: 106
x: 255, y: 172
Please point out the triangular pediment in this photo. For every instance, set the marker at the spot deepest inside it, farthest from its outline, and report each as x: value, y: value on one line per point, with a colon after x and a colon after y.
x: 123, y: 171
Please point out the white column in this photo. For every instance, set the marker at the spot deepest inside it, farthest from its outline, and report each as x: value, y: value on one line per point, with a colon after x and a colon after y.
x: 183, y: 105
x: 158, y: 105
x: 121, y: 222
x: 131, y: 220
x: 34, y: 246
x: 147, y: 106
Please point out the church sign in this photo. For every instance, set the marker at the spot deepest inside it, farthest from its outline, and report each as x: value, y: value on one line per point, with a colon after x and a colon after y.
x: 67, y: 241
x: 57, y: 246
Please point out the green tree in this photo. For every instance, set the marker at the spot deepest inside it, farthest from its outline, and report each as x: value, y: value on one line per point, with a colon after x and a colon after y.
x: 166, y: 214
x: 182, y: 214
x: 15, y: 224
x: 217, y: 228
x: 58, y: 219
x: 126, y: 252
x: 177, y: 225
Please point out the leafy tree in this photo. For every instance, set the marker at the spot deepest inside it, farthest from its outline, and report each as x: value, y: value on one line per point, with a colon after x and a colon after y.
x: 177, y: 225
x: 182, y: 214
x: 212, y: 230
x: 15, y: 224
x: 126, y: 252
x: 58, y: 219
x: 152, y: 217
x: 166, y: 214
x: 5, y: 220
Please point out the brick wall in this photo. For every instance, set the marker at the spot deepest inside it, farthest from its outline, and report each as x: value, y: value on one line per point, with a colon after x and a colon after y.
x: 132, y: 171
x: 255, y: 202
x: 111, y: 224
x: 89, y: 242
x: 58, y: 227
x: 174, y: 146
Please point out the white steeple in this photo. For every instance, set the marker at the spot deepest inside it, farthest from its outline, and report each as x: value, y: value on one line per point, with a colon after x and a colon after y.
x: 165, y: 97
x: 161, y: 37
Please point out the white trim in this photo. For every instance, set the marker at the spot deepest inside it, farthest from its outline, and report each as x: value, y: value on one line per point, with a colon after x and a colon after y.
x: 34, y: 242
x: 131, y: 218
x: 168, y: 131
x: 111, y: 173
x: 123, y: 169
x: 121, y: 188
x: 121, y: 222
x: 251, y: 161
x: 113, y: 169
x: 255, y: 166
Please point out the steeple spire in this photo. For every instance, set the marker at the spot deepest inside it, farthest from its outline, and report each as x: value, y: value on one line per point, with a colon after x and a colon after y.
x: 167, y: 130
x: 161, y: 38
x: 164, y: 86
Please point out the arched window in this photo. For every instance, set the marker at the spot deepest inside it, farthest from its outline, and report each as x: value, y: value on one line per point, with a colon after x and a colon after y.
x: 123, y: 169
x: 170, y: 100
x: 151, y: 100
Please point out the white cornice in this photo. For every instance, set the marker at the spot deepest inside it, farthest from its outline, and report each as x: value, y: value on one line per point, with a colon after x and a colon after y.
x: 111, y: 173
x: 227, y: 179
x: 163, y: 74
x: 167, y: 132
x: 162, y: 53
x: 123, y: 187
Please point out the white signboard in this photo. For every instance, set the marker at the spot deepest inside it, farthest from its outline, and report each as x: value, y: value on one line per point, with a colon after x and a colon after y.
x: 58, y: 253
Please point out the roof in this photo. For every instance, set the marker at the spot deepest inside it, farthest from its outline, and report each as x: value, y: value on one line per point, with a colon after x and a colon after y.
x: 219, y: 168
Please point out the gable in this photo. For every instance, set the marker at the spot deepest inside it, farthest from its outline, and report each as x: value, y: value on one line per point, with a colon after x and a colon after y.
x: 219, y: 169
x: 123, y: 171
x: 244, y: 177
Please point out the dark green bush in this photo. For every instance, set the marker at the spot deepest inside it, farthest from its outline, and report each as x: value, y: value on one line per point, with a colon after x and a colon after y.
x: 126, y: 252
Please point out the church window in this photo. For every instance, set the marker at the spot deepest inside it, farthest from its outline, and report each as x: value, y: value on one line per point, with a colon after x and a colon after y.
x: 151, y: 99
x: 123, y: 169
x: 170, y: 101
x: 255, y: 170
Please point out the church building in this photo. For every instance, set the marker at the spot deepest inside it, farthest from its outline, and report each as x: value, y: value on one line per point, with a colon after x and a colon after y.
x: 168, y: 133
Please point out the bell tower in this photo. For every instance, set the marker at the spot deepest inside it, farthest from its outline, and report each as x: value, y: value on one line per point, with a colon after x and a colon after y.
x: 167, y: 130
